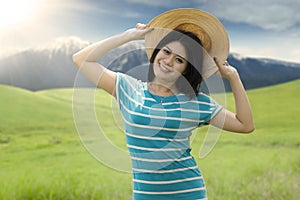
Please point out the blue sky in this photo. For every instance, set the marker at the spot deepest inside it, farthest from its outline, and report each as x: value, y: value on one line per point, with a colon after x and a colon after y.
x: 259, y: 28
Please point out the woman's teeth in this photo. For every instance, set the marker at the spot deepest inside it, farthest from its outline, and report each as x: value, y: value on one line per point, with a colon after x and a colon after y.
x: 164, y: 69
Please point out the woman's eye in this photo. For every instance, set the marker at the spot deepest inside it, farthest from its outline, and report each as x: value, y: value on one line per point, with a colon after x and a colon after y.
x: 179, y: 60
x: 167, y: 51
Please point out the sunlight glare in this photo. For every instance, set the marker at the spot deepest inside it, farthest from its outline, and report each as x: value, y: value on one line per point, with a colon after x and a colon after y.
x: 14, y: 13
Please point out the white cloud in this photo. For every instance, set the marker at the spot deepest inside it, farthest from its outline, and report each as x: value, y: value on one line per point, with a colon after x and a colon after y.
x: 274, y: 15
x: 131, y: 14
x: 279, y: 51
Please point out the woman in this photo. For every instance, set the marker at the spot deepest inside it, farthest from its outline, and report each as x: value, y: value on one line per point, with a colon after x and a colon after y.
x: 160, y: 114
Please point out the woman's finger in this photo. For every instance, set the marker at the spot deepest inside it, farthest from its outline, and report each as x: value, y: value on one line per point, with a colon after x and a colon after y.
x: 140, y: 26
x: 220, y: 65
x: 217, y: 62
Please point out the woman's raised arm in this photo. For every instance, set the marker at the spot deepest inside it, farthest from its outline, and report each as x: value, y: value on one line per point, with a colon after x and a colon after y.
x: 241, y: 121
x: 86, y: 59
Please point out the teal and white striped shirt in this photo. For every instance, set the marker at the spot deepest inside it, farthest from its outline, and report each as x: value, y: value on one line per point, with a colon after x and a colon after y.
x: 157, y: 135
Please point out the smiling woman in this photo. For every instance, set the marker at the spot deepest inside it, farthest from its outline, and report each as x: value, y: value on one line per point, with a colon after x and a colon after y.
x: 15, y: 13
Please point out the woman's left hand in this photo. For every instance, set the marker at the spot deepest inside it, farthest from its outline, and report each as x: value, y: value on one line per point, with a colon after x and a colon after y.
x: 226, y: 70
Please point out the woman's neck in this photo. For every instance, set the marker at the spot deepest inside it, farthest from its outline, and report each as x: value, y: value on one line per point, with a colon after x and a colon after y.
x: 161, y: 89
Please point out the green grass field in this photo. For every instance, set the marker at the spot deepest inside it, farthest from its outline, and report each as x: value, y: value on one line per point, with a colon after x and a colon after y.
x: 42, y: 157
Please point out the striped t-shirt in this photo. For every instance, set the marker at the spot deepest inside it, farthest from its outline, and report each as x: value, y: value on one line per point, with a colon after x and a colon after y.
x: 157, y: 135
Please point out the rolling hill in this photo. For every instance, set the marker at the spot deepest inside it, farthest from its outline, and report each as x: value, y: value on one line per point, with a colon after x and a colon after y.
x: 41, y: 156
x: 22, y: 108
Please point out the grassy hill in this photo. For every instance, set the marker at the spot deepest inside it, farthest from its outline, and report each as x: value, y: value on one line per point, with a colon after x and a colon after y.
x: 42, y: 157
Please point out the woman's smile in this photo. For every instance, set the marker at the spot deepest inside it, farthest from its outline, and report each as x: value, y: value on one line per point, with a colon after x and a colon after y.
x: 165, y: 68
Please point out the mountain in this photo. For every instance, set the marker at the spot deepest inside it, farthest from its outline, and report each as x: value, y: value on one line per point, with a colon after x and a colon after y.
x: 51, y: 66
x: 45, y: 67
x: 264, y: 72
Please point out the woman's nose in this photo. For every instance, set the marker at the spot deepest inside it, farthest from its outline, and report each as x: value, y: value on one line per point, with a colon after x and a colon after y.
x: 169, y: 60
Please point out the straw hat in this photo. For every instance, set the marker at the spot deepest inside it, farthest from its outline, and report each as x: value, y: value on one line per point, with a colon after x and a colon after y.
x: 205, y: 26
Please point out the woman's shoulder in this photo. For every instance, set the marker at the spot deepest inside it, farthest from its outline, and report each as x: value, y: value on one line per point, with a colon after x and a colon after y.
x: 129, y: 81
x: 202, y: 97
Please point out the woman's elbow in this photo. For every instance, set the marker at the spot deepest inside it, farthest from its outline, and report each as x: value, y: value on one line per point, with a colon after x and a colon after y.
x: 77, y: 60
x: 248, y: 129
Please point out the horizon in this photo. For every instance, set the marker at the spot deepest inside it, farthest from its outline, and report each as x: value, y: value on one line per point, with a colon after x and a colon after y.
x: 63, y: 40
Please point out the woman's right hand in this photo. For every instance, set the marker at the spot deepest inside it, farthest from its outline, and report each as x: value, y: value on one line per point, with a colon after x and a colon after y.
x: 139, y: 32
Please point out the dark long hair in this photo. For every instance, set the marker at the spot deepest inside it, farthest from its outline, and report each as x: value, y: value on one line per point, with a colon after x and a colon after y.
x: 194, y: 51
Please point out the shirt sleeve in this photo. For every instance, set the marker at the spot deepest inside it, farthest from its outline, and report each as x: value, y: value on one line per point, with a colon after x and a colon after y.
x: 209, y: 108
x: 127, y: 88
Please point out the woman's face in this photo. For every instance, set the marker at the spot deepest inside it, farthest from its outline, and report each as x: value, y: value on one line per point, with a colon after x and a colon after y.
x: 170, y: 62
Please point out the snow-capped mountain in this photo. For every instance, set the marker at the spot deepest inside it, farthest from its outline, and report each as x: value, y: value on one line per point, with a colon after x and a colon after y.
x: 259, y: 72
x: 41, y: 68
x: 51, y: 66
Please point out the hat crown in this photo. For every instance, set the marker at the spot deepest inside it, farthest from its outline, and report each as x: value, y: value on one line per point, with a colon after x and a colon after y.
x: 199, y: 32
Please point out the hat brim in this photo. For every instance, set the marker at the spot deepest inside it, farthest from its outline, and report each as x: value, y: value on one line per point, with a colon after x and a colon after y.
x: 205, y: 26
